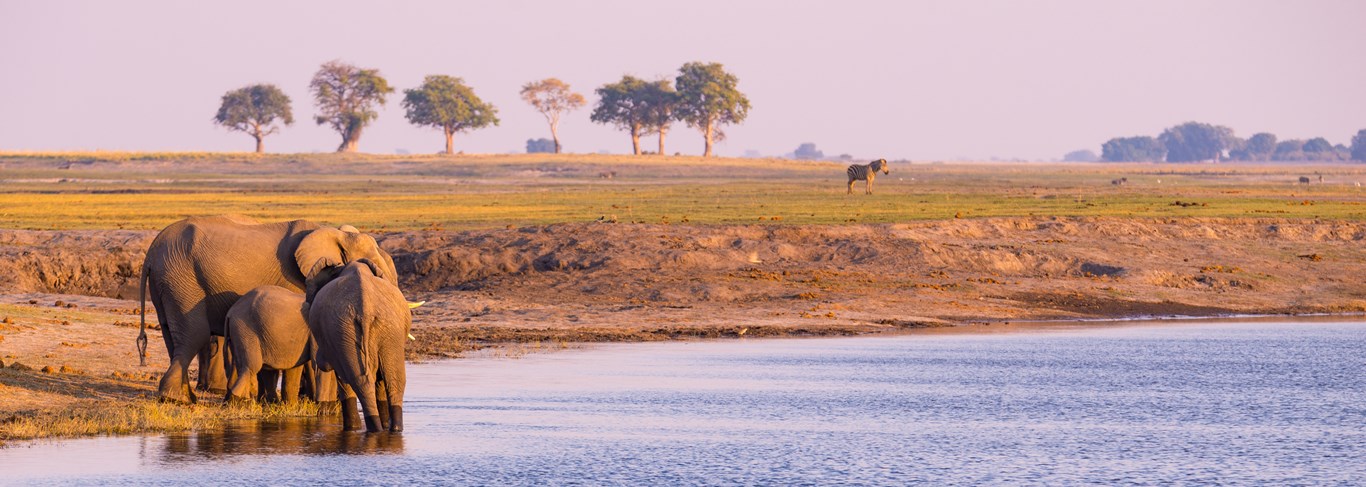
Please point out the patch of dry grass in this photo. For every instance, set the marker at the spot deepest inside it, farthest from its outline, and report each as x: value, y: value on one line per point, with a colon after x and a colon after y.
x: 141, y: 416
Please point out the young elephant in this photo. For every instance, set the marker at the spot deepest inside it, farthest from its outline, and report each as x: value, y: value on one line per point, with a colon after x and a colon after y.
x: 360, y: 322
x: 266, y: 331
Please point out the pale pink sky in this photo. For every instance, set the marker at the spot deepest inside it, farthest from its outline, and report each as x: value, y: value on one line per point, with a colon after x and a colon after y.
x: 897, y: 79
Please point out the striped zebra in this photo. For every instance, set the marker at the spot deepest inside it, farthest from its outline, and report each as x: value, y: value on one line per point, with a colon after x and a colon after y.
x: 866, y: 172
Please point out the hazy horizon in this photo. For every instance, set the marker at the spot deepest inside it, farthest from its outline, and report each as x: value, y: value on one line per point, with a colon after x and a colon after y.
x: 901, y: 80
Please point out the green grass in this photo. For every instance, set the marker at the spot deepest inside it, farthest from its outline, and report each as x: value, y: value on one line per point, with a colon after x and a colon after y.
x: 436, y: 192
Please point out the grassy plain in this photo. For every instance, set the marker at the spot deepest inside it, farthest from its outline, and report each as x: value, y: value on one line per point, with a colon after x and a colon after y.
x: 147, y: 191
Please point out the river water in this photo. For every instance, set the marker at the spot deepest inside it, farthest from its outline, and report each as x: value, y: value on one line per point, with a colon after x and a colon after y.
x: 1243, y: 403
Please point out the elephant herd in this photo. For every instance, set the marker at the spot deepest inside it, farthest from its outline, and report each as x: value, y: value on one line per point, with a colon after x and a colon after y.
x: 252, y: 301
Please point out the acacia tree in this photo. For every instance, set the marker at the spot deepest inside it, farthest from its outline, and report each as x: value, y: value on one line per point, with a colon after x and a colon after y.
x: 552, y: 98
x: 708, y: 99
x: 661, y: 107
x: 254, y: 110
x: 623, y: 104
x: 445, y: 102
x: 346, y: 97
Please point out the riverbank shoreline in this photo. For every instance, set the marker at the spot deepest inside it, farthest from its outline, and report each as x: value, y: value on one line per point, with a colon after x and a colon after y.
x: 99, y: 400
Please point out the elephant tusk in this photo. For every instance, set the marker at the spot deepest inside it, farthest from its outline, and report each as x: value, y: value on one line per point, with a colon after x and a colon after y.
x: 410, y: 338
x: 412, y: 305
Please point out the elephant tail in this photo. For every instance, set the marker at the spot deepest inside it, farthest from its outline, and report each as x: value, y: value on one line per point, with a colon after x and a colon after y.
x: 142, y: 311
x: 364, y: 349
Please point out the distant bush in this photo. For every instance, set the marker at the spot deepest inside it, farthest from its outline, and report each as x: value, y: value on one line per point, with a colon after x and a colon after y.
x: 1084, y: 155
x: 808, y: 151
x: 540, y: 146
x: 1133, y: 149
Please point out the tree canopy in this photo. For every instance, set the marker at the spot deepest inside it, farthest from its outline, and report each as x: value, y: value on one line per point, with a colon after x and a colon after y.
x: 1083, y: 155
x: 624, y: 105
x: 347, y: 97
x: 1317, y: 147
x: 445, y: 102
x: 1259, y: 147
x: 808, y: 151
x: 540, y: 146
x: 1194, y: 141
x: 1133, y: 149
x: 661, y: 103
x: 1359, y: 146
x: 708, y: 99
x: 552, y: 98
x: 254, y: 110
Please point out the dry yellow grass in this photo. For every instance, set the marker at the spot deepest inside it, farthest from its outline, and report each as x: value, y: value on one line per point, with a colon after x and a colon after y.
x: 142, y: 416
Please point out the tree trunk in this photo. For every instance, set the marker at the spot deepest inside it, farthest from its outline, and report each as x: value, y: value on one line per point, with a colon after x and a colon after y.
x: 555, y: 134
x: 258, y: 135
x: 707, y: 134
x: 350, y: 140
x: 450, y: 142
x: 635, y: 140
x: 662, y: 132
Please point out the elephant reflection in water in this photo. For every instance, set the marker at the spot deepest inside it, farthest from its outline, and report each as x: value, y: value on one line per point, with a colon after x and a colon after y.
x: 310, y: 436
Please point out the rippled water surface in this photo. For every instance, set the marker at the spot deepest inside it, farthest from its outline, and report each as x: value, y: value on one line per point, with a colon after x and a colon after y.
x: 1282, y: 403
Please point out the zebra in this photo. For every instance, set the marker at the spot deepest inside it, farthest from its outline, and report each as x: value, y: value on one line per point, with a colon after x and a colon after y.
x: 866, y: 172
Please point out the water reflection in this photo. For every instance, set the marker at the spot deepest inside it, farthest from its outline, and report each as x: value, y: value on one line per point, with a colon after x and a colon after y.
x: 296, y: 436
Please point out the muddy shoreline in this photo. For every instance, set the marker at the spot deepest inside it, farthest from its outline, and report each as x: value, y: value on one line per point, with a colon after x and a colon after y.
x: 66, y: 304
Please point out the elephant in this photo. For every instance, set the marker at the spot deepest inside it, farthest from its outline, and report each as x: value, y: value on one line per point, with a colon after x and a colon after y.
x: 198, y: 267
x: 361, y: 323
x: 268, y: 336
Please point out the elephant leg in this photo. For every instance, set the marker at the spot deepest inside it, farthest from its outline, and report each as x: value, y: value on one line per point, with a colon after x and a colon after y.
x: 382, y: 403
x: 243, y: 388
x: 289, y: 385
x: 366, y: 394
x: 306, y: 381
x: 395, y: 418
x: 268, y: 379
x: 211, y: 371
x: 186, y: 342
x: 244, y: 372
x: 350, y: 417
x: 395, y: 381
x: 327, y: 388
x: 328, y: 385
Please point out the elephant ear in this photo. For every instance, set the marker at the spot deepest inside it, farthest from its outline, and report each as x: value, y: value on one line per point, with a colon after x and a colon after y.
x: 322, y: 248
x: 391, y: 271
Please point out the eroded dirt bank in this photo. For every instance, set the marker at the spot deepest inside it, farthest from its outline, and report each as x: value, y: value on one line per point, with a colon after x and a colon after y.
x: 66, y: 299
x: 618, y: 281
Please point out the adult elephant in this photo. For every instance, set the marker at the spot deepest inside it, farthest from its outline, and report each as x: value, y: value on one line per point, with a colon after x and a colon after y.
x: 198, y: 267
